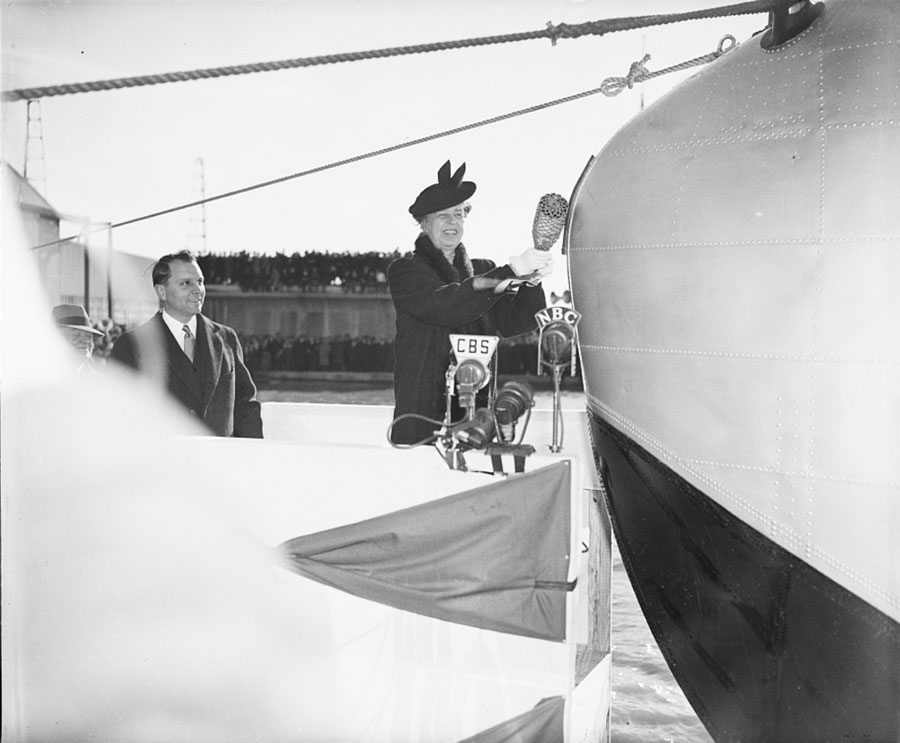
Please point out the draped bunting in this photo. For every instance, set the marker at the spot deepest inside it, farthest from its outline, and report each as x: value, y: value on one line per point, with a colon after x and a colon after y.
x: 542, y: 724
x: 495, y: 557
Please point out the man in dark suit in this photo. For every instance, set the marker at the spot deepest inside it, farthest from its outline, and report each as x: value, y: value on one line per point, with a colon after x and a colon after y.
x: 200, y: 362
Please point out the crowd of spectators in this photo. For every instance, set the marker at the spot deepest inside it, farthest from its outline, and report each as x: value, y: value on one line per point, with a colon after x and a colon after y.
x: 311, y: 271
x: 344, y: 353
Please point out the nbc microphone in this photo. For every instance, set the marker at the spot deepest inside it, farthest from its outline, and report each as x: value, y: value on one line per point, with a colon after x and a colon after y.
x: 556, y: 344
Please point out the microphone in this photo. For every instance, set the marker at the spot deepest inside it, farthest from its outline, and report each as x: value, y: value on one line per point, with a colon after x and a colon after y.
x: 471, y: 376
x: 556, y: 343
x: 557, y: 349
x: 511, y: 403
x: 476, y: 432
x: 549, y: 220
x: 471, y: 370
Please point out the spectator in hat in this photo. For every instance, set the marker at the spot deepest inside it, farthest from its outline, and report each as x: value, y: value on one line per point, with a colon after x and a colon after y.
x: 439, y: 290
x: 201, y: 362
x: 75, y: 325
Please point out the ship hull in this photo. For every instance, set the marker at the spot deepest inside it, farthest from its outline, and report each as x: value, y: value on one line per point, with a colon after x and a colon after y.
x: 733, y: 251
x: 765, y: 647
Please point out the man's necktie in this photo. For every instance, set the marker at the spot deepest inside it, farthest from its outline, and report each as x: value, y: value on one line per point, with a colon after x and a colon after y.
x: 188, y: 342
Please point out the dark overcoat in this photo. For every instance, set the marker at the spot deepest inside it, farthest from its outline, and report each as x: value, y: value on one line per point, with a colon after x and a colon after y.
x: 433, y: 299
x: 216, y: 388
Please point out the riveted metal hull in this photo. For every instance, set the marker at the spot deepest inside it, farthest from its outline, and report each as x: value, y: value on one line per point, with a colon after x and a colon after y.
x: 735, y: 253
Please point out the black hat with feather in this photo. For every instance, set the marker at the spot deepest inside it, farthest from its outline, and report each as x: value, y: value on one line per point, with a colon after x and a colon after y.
x: 450, y: 190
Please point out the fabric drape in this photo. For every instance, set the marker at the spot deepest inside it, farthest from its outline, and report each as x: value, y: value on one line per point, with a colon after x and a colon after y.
x: 495, y: 557
x: 541, y: 724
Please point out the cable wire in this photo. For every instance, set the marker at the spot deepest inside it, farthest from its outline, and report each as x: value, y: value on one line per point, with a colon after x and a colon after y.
x: 337, y: 163
x: 414, y: 416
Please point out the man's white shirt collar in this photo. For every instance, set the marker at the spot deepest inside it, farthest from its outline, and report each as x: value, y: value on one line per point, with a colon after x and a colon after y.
x: 177, y: 327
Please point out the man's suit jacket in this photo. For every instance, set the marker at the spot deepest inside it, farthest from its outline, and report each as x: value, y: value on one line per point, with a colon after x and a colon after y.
x: 217, y: 388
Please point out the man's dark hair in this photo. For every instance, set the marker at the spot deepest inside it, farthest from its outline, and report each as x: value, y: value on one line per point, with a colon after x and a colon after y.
x: 162, y: 269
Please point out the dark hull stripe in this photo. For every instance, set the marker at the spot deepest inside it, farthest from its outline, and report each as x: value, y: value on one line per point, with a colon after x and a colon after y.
x: 766, y: 648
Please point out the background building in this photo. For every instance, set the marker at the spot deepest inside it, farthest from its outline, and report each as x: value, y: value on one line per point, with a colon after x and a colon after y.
x: 87, y: 271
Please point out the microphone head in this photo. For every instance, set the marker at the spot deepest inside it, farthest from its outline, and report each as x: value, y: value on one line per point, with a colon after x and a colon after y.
x: 472, y: 374
x: 549, y: 220
x: 556, y: 343
x: 512, y: 401
x: 477, y: 432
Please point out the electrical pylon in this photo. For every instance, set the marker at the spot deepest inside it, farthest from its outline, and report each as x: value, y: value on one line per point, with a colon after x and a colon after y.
x: 197, y: 217
x: 35, y: 170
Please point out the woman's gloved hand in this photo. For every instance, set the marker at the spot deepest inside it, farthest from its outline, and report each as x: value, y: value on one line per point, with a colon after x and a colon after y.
x: 532, y: 263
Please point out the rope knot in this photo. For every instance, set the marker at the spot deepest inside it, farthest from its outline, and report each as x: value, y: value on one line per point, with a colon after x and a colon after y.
x: 555, y: 33
x: 638, y: 72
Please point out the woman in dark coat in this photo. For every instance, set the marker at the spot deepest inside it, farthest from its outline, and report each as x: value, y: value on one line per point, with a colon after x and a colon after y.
x: 439, y: 290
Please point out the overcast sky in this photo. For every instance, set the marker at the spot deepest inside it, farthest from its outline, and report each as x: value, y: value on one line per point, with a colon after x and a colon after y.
x: 114, y: 156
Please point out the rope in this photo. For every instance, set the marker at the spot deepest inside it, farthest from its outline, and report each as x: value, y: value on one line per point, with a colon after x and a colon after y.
x: 554, y: 33
x: 604, y: 88
x: 337, y: 163
x: 638, y: 73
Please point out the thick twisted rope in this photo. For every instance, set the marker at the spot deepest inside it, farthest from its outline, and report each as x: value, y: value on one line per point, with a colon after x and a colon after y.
x: 560, y: 31
x: 604, y: 88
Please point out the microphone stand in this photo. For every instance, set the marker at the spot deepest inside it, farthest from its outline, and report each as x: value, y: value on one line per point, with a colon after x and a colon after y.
x: 454, y: 457
x: 452, y: 453
x: 561, y: 340
x: 556, y: 446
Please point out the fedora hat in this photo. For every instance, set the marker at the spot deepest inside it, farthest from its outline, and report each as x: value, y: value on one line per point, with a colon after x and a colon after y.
x: 450, y: 190
x: 73, y: 316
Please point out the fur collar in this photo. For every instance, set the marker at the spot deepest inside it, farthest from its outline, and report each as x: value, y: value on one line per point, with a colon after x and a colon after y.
x: 459, y: 271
